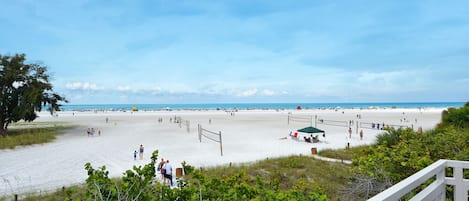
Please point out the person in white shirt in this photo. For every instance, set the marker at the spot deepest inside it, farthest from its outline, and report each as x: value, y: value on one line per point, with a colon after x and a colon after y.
x: 169, y: 172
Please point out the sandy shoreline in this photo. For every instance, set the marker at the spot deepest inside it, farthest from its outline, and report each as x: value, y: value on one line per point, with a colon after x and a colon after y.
x: 248, y: 135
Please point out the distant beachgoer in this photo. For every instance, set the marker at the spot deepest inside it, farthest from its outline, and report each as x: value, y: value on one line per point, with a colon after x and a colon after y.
x: 349, y: 132
x: 295, y: 135
x: 107, y: 119
x: 99, y: 132
x: 209, y: 121
x: 135, y: 154
x: 361, y: 134
x: 141, y: 152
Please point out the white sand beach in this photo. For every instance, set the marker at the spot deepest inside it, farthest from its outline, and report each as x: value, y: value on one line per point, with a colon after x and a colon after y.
x: 248, y: 135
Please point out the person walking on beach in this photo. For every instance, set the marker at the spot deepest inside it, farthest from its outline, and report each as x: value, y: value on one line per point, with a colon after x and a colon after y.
x: 169, y: 172
x: 361, y: 134
x: 349, y: 132
x: 135, y: 154
x: 161, y: 169
x: 141, y: 149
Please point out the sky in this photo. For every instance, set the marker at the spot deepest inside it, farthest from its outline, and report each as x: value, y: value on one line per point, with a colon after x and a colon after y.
x: 244, y: 51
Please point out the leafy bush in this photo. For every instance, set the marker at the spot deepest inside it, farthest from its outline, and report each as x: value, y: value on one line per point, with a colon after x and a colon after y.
x: 456, y: 117
x: 136, y: 184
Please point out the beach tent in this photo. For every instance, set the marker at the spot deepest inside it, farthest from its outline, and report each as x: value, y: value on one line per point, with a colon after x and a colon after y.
x: 311, y: 130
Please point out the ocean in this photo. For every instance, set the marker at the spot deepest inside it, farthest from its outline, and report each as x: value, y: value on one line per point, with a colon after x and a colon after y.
x: 248, y: 106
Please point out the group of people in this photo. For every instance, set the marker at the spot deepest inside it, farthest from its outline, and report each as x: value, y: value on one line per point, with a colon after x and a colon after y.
x: 164, y: 167
x: 91, y: 131
x: 160, y: 120
x: 311, y: 139
x: 350, y: 133
x: 166, y: 170
x: 377, y: 126
x: 140, y: 152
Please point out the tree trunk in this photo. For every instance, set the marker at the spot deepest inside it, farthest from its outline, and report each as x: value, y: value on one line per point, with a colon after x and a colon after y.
x: 3, y: 129
x: 3, y: 132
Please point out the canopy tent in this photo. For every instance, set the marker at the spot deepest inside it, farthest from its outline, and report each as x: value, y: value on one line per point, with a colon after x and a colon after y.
x: 311, y: 129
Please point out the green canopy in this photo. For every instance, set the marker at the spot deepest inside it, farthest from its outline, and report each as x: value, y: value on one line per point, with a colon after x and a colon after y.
x: 310, y: 129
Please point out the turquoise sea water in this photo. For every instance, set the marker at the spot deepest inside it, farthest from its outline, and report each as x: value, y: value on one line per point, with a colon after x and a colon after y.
x: 243, y: 106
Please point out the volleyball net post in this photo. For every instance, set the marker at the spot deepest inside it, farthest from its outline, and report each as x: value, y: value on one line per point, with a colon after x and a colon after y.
x: 211, y: 136
x: 221, y: 144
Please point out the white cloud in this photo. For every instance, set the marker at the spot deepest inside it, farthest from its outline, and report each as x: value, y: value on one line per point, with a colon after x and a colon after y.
x: 123, y: 88
x: 267, y: 92
x: 81, y: 86
x: 249, y: 92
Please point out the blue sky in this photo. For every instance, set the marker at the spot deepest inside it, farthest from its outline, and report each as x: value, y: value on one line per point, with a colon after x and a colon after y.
x: 127, y: 51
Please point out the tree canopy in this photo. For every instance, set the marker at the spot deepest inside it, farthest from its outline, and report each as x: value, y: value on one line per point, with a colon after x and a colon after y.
x: 25, y: 90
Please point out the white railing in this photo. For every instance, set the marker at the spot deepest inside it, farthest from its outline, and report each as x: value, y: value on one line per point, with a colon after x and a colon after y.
x: 437, y: 189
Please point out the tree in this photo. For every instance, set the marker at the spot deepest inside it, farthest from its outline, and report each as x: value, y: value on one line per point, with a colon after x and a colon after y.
x: 25, y: 90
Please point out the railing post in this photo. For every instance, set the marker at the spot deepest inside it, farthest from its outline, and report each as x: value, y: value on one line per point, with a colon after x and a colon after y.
x: 440, y: 177
x: 459, y: 192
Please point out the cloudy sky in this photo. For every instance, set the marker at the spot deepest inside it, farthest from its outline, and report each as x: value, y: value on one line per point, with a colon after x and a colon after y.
x: 129, y: 51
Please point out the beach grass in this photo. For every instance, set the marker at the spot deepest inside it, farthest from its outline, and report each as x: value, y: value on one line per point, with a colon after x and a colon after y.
x: 29, y: 134
x: 343, y: 154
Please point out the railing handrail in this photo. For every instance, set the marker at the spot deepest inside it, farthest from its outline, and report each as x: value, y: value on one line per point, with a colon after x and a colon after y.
x: 436, y: 169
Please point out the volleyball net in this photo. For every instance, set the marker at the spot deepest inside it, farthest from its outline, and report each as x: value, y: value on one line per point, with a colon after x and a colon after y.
x: 182, y: 122
x: 378, y: 126
x: 210, y: 135
x: 333, y: 122
x: 302, y: 119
